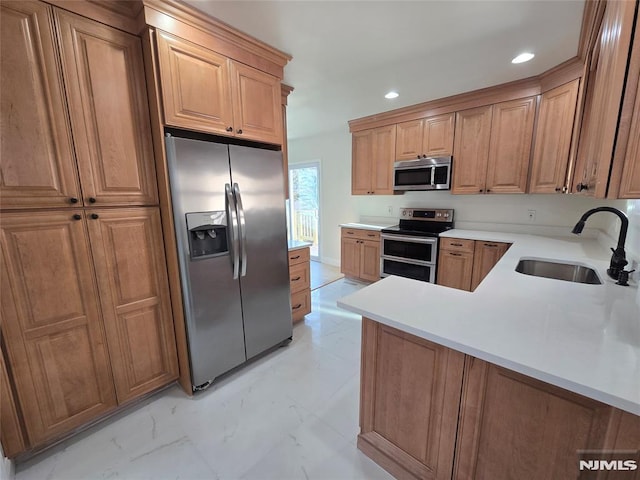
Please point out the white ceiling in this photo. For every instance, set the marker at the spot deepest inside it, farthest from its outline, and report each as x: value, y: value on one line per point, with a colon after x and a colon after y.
x: 348, y: 54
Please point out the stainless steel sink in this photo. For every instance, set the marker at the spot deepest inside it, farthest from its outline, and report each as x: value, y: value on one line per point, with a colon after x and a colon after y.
x: 560, y: 271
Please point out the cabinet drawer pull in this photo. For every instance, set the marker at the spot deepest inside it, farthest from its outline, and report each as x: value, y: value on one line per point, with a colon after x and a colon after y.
x: 295, y: 258
x: 455, y: 254
x: 456, y: 244
x: 296, y: 307
x: 295, y: 279
x: 492, y: 245
x: 371, y: 234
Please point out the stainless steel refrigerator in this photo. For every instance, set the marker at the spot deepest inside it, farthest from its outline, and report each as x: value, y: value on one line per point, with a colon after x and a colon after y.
x: 229, y: 212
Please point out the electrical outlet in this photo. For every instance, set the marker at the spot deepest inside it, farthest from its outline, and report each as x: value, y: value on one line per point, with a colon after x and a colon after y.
x: 532, y: 215
x: 390, y: 210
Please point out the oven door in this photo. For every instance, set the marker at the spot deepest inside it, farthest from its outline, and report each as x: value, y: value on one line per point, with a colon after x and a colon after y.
x: 404, y: 247
x: 425, y: 272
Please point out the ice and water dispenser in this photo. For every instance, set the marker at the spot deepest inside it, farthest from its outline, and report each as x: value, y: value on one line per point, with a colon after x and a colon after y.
x: 207, y: 234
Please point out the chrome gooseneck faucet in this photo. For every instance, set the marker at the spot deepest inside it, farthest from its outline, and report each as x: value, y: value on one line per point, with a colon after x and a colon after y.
x: 618, y: 259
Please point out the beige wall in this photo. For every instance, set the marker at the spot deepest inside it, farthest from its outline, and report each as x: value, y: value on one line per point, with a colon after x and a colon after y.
x: 337, y: 205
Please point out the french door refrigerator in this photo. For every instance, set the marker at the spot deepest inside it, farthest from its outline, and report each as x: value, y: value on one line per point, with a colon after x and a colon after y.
x: 229, y: 212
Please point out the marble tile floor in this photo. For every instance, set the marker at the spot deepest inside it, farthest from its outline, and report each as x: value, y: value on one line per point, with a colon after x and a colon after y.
x: 323, y: 274
x: 291, y: 415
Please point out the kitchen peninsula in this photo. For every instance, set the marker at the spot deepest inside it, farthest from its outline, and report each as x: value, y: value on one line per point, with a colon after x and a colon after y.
x: 514, y: 377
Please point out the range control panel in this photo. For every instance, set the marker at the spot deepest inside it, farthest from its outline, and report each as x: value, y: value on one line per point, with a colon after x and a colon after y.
x: 433, y: 215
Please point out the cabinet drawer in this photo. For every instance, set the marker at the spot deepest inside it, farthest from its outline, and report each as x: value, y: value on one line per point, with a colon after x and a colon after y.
x: 300, y: 304
x: 361, y: 234
x: 299, y: 277
x: 457, y: 244
x: 301, y: 255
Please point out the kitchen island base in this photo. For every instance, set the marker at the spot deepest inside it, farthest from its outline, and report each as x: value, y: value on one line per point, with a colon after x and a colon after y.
x: 430, y: 412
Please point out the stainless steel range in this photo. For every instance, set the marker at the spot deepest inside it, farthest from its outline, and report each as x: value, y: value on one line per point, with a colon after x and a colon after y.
x: 410, y: 249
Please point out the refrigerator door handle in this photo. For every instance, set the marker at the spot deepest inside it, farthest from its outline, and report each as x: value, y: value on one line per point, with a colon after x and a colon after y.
x: 243, y: 230
x: 233, y: 218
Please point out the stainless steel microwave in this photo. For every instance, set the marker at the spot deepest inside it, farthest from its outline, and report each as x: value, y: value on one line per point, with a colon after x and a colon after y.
x: 432, y: 173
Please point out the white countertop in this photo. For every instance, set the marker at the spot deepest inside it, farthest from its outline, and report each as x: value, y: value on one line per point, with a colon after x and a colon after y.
x: 365, y: 226
x: 584, y: 338
x: 297, y: 244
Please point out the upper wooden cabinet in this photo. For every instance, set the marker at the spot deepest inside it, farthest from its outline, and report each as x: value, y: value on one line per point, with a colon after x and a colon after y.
x: 38, y: 167
x: 471, y: 150
x: 553, y: 139
x: 203, y: 90
x: 108, y: 142
x: 625, y: 175
x: 492, y: 147
x: 605, y: 82
x: 427, y: 137
x: 510, y: 146
x: 105, y: 82
x: 372, y: 161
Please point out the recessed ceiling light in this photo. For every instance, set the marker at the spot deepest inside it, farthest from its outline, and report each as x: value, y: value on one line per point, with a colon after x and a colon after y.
x: 523, y: 57
x: 392, y: 95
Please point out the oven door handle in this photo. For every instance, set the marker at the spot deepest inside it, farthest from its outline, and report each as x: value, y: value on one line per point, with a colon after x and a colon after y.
x: 405, y: 238
x: 409, y: 261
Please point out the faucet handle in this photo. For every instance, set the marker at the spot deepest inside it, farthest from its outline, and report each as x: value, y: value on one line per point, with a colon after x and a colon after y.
x: 623, y: 278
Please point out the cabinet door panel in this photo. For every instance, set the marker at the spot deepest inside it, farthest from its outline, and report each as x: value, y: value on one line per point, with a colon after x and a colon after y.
x: 11, y: 434
x: 55, y: 337
x: 370, y: 260
x: 38, y: 167
x: 350, y: 257
x: 438, y: 135
x: 109, y: 113
x: 510, y: 146
x: 409, y: 140
x: 630, y: 182
x: 384, y: 145
x: 553, y: 139
x: 471, y: 150
x: 604, y: 88
x: 508, y: 419
x: 410, y: 394
x: 134, y: 294
x: 361, y: 155
x: 196, y: 88
x: 256, y: 104
x: 455, y: 269
x: 485, y: 257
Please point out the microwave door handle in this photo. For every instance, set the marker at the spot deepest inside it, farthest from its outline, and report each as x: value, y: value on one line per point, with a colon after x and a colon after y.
x: 233, y: 220
x: 433, y: 176
x: 243, y: 230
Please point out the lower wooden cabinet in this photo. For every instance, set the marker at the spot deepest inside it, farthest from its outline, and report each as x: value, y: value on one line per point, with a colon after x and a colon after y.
x: 463, y: 264
x: 409, y: 400
x: 85, y: 314
x: 429, y: 412
x: 300, y: 283
x: 360, y: 254
x: 455, y: 263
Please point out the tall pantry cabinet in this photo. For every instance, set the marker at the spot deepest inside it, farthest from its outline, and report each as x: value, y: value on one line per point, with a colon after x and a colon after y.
x: 86, y: 320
